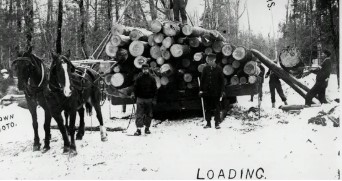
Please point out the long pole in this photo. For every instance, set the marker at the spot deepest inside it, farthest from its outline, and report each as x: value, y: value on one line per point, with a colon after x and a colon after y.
x: 199, y: 85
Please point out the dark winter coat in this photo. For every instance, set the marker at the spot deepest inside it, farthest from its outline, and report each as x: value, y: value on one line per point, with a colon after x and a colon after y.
x: 273, y: 77
x: 145, y: 86
x: 212, y: 81
x: 324, y: 73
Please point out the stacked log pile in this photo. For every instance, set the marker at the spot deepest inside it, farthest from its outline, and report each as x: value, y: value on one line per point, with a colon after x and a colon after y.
x: 176, y: 54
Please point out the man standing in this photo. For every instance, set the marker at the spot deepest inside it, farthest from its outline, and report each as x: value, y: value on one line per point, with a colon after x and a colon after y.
x: 212, y: 90
x: 275, y: 84
x: 322, y: 79
x: 179, y: 8
x: 145, y: 90
x: 261, y: 78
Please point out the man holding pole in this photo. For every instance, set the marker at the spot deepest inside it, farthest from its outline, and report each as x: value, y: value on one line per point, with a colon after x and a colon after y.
x: 212, y: 90
x: 322, y: 79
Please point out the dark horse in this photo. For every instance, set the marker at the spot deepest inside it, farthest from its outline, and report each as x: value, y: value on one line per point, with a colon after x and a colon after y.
x: 33, y: 80
x: 77, y: 87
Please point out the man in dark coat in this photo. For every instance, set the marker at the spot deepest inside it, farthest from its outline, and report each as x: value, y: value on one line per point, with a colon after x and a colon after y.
x: 322, y: 79
x: 212, y: 91
x: 178, y: 7
x: 275, y: 84
x: 145, y: 89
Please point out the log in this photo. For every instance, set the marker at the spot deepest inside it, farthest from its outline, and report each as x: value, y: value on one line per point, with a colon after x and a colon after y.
x: 118, y: 29
x: 243, y: 80
x: 194, y: 42
x: 290, y: 57
x: 236, y: 64
x: 217, y: 46
x: 166, y: 54
x: 171, y: 28
x: 155, y: 52
x: 166, y: 70
x: 164, y: 80
x: 190, y: 85
x: 120, y: 40
x: 139, y: 60
x: 291, y: 81
x: 186, y: 62
x: 182, y: 40
x: 117, y: 69
x: 111, y: 49
x: 198, y: 56
x: 228, y: 70
x: 122, y: 54
x: 156, y: 26
x: 189, y: 30
x: 151, y: 41
x: 167, y: 42
x: 158, y: 38
x: 252, y: 79
x: 208, y: 51
x: 160, y: 60
x: 224, y: 60
x: 178, y: 50
x: 242, y: 54
x: 217, y: 35
x: 137, y: 48
x: 228, y: 49
x: 153, y: 64
x: 107, y: 79
x: 200, y: 67
x: 187, y: 77
x: 251, y: 68
x: 139, y: 34
x: 234, y: 80
x: 117, y: 79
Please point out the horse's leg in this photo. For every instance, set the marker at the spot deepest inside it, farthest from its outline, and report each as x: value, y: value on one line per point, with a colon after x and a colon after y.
x: 59, y: 120
x: 80, y: 132
x: 103, y: 130
x: 47, y: 129
x: 72, y: 132
x: 32, y: 106
x: 66, y: 116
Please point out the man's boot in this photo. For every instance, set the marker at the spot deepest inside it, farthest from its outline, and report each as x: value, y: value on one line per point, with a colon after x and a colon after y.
x: 273, y: 105
x: 285, y: 102
x: 208, y: 125
x: 103, y: 132
x: 217, y: 125
x: 147, y: 130
x: 137, y: 133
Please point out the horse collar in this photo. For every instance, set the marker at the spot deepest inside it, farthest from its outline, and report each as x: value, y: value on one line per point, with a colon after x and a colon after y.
x: 41, y: 80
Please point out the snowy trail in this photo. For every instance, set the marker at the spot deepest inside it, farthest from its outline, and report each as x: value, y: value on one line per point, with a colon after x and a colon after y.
x: 284, y: 145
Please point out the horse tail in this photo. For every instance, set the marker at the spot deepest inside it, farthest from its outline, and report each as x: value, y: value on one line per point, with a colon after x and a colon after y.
x: 89, y: 108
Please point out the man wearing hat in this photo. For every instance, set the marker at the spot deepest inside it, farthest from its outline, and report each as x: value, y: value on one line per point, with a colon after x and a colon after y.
x: 322, y: 79
x: 145, y: 90
x: 212, y: 90
x: 275, y: 84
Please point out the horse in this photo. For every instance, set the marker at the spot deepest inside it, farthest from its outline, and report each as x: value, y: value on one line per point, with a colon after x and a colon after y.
x: 33, y: 80
x: 78, y: 87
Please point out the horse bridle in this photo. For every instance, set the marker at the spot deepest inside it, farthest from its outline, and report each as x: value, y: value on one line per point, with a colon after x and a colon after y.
x: 30, y: 61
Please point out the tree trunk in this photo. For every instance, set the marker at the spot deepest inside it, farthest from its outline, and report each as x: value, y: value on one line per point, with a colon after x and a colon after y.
x: 19, y: 15
x: 142, y: 13
x: 335, y: 41
x: 152, y: 10
x: 96, y: 24
x: 109, y: 14
x: 59, y: 27
x: 29, y: 25
x: 82, y: 33
x: 116, y: 10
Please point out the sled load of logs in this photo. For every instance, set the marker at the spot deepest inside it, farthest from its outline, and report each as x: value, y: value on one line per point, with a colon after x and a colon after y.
x: 176, y: 54
x: 290, y: 61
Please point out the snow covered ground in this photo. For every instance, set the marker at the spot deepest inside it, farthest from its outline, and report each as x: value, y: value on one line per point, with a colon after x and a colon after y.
x: 279, y: 145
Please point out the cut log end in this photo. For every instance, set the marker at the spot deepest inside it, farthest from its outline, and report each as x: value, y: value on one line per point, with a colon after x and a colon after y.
x: 117, y: 80
x: 228, y: 70
x: 156, y: 26
x: 111, y: 49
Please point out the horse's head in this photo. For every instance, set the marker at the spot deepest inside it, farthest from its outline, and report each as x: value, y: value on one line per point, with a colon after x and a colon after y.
x: 23, y: 67
x: 61, y: 69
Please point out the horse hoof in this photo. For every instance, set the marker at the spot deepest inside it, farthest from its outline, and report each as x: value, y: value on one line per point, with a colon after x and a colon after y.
x: 73, y: 152
x: 104, y: 139
x: 36, y: 147
x: 46, y: 149
x: 66, y: 150
x: 79, y: 137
